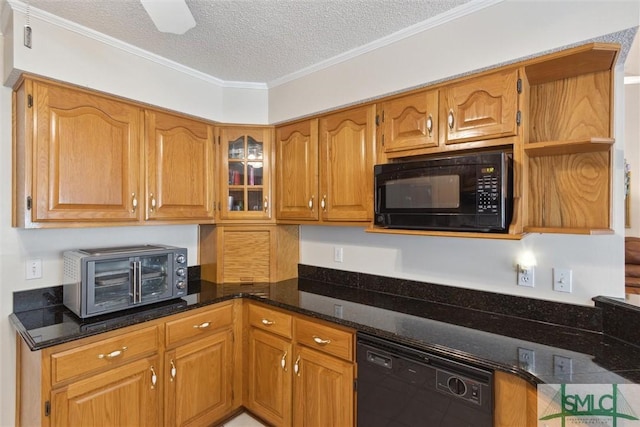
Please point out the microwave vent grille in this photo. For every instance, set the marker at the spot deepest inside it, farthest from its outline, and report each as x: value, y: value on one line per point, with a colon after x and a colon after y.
x: 71, y: 270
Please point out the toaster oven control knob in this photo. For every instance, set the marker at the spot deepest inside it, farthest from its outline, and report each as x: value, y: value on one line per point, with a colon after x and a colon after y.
x: 181, y: 271
x: 181, y: 284
x: 181, y: 259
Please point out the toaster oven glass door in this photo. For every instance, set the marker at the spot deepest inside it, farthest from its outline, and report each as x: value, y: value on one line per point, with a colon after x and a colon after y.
x: 115, y: 284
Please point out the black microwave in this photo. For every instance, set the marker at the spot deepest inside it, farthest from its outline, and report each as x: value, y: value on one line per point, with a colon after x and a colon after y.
x: 469, y: 192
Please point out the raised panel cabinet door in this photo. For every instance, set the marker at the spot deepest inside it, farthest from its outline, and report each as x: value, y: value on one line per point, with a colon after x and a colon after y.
x: 269, y: 377
x: 481, y: 108
x: 347, y: 156
x: 411, y: 122
x: 297, y: 171
x: 179, y: 168
x: 322, y: 390
x: 245, y: 173
x: 199, y: 381
x: 125, y: 396
x: 87, y: 156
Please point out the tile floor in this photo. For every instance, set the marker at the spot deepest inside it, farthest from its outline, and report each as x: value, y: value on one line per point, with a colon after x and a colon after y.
x: 243, y: 420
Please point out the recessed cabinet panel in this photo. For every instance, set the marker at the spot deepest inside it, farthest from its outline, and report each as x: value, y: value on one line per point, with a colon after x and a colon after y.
x: 87, y: 153
x: 297, y: 171
x: 481, y: 108
x: 179, y: 166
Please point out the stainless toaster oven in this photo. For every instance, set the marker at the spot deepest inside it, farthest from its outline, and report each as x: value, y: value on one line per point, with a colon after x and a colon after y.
x: 103, y: 280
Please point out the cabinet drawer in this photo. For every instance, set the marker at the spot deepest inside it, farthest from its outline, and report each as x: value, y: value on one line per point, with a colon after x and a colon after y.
x: 199, y: 324
x: 103, y: 354
x: 324, y: 338
x: 270, y: 320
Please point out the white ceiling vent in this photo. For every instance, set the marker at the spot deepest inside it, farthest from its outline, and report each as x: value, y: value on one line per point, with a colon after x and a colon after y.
x: 170, y: 16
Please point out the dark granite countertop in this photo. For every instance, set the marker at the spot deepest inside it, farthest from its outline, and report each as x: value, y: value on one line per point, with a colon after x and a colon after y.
x: 561, y: 354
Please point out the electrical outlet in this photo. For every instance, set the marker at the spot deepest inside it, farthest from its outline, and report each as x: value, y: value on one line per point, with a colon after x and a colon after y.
x: 562, y: 366
x: 526, y: 359
x: 526, y: 276
x: 338, y: 311
x: 338, y: 254
x: 33, y: 269
x: 562, y: 280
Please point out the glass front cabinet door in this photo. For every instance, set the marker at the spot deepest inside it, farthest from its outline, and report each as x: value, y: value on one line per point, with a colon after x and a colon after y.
x: 245, y: 173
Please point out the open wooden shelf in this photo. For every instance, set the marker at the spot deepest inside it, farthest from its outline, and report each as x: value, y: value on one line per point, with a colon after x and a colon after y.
x: 477, y: 235
x: 553, y: 148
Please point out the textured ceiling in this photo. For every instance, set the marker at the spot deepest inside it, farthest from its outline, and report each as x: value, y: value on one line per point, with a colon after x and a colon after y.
x: 253, y: 40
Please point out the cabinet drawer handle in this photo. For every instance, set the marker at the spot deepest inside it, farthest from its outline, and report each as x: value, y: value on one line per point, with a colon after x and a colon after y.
x: 430, y: 124
x: 283, y: 362
x: 173, y: 371
x: 451, y: 119
x: 134, y: 202
x: 113, y: 354
x: 154, y: 377
x: 320, y: 341
x: 323, y: 203
x: 311, y: 203
x: 296, y: 366
x: 203, y: 325
x: 267, y: 322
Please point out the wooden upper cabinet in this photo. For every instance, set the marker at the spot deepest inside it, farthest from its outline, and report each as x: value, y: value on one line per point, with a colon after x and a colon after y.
x: 77, y: 156
x: 480, y: 108
x: 347, y: 156
x: 179, y: 167
x: 297, y: 171
x: 410, y: 123
x: 245, y: 173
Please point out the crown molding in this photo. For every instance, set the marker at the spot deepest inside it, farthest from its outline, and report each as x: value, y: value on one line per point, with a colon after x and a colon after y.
x: 451, y: 15
x: 19, y: 6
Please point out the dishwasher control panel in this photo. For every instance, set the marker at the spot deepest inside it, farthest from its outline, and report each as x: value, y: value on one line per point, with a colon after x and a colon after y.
x: 462, y: 387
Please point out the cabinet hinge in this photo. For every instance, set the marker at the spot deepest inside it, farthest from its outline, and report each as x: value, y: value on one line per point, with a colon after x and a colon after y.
x: 355, y: 385
x: 519, y: 85
x: 218, y: 139
x: 518, y: 117
x: 219, y: 206
x: 382, y: 139
x: 47, y: 408
x: 29, y: 203
x: 29, y: 101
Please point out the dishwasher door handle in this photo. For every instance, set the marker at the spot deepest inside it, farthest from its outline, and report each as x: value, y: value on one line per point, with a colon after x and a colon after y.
x: 379, y: 359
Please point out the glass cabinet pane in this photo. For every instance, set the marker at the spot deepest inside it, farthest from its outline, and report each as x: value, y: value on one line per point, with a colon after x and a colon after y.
x: 236, y: 149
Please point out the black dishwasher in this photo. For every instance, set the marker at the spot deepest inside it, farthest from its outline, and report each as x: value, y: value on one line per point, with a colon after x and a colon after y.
x: 400, y: 386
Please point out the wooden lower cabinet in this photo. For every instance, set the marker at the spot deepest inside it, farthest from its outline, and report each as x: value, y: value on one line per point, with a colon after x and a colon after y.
x: 322, y: 390
x: 300, y: 372
x: 200, y: 378
x: 128, y: 395
x: 269, y: 377
x: 515, y: 403
x: 177, y: 371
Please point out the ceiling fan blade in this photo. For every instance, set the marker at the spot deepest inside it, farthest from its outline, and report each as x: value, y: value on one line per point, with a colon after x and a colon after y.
x: 170, y: 16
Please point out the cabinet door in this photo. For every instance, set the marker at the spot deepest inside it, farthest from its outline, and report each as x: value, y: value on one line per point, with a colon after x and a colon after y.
x: 245, y: 173
x: 123, y: 396
x: 481, y: 108
x: 322, y: 390
x: 199, y: 379
x: 179, y: 168
x: 297, y: 171
x: 347, y: 156
x: 269, y: 377
x: 410, y: 122
x: 245, y: 254
x: 86, y: 158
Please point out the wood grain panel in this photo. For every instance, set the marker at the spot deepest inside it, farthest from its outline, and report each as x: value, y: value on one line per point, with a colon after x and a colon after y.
x: 297, y: 171
x: 199, y: 324
x: 270, y: 320
x: 515, y: 401
x: 570, y: 191
x: 569, y: 109
x: 246, y: 255
x: 405, y: 122
x: 325, y: 338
